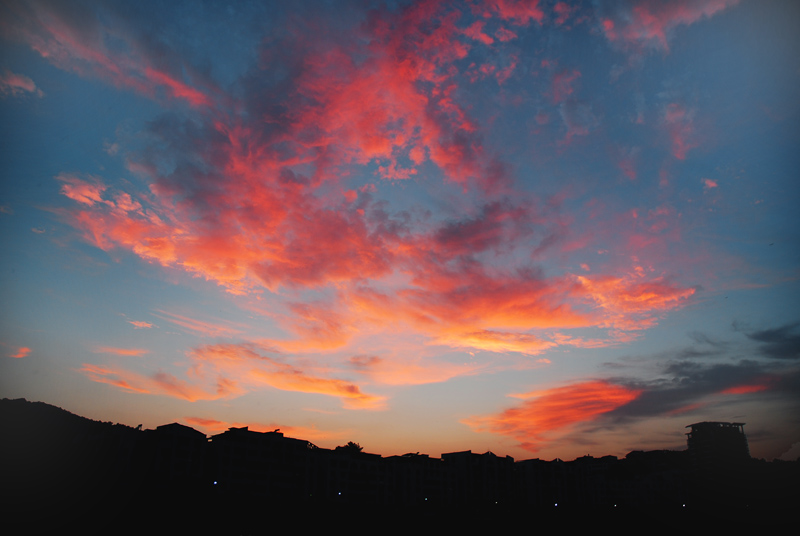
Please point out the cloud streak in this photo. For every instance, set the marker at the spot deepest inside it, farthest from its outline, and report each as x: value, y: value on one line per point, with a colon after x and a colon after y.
x: 552, y: 411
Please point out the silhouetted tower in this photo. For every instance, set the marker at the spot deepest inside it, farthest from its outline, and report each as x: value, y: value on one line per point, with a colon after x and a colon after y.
x: 712, y: 443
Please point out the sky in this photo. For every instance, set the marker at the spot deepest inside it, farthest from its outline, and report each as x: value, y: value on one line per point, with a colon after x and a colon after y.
x: 542, y: 229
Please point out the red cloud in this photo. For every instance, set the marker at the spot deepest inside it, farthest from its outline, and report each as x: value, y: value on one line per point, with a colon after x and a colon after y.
x: 543, y: 413
x: 757, y: 385
x: 519, y: 12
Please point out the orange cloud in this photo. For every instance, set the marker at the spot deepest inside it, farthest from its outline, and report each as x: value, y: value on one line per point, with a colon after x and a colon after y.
x: 250, y: 367
x: 86, y: 191
x: 23, y: 351
x: 543, y: 413
x: 122, y: 379
x: 408, y: 370
x: 631, y: 303
x: 139, y: 324
x: 120, y: 351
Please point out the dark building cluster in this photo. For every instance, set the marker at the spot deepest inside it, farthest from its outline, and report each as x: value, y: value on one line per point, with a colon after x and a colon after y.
x: 51, y: 454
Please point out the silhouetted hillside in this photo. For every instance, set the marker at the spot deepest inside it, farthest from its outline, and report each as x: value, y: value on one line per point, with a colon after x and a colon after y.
x: 60, y: 471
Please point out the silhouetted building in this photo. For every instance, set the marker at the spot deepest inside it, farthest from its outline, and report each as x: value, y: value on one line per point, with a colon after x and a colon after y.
x: 179, y: 453
x: 479, y: 478
x: 51, y: 459
x: 717, y: 443
x: 259, y: 464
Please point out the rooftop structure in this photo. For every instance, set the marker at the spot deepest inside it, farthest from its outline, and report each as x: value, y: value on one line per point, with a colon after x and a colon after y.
x: 717, y: 442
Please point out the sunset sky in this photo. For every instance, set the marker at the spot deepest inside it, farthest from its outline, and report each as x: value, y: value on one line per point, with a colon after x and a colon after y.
x: 545, y: 229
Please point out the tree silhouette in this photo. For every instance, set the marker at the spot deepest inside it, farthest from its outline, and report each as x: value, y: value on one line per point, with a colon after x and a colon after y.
x: 351, y: 447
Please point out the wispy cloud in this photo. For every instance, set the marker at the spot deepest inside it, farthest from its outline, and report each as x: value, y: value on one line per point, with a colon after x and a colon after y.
x: 643, y: 25
x: 544, y: 413
x: 140, y: 324
x: 120, y: 351
x: 197, y: 326
x: 18, y: 84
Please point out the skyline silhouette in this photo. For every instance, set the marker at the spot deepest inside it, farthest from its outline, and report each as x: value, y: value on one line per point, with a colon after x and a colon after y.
x: 53, y: 461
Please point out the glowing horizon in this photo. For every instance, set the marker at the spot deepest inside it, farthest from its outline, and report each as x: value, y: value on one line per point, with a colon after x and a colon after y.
x: 382, y: 223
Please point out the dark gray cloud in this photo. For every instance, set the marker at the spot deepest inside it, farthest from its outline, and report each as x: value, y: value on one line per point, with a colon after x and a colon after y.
x: 686, y: 382
x: 781, y: 343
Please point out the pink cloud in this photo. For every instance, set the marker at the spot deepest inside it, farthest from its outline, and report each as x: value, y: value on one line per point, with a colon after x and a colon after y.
x: 475, y: 31
x: 17, y: 84
x: 563, y: 11
x: 519, y: 12
x: 562, y: 85
x: 680, y: 124
x: 112, y: 52
x: 504, y: 34
x: 264, y: 206
x: 650, y: 24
